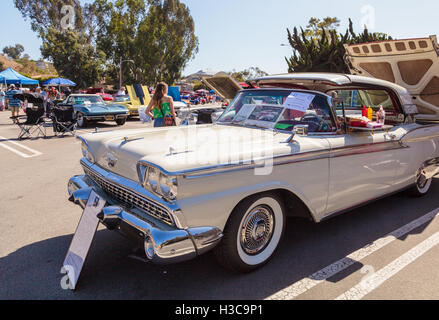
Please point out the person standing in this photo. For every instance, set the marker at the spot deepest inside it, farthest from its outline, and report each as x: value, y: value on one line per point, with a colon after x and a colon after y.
x: 161, y: 106
x: 121, y: 92
x: 13, y: 104
x: 52, y: 94
x: 2, y: 100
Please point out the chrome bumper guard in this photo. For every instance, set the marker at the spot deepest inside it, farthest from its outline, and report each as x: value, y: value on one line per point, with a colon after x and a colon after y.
x: 115, y: 116
x: 163, y: 244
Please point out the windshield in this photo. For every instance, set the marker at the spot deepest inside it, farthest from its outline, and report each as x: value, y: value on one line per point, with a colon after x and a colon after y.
x: 280, y: 109
x: 87, y: 100
x: 122, y: 98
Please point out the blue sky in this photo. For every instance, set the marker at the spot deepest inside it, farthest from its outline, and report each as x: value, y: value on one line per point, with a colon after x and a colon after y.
x: 238, y: 34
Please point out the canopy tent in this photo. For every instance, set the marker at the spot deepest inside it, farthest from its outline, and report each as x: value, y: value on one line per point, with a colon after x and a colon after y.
x: 174, y: 92
x: 59, y: 82
x: 10, y: 76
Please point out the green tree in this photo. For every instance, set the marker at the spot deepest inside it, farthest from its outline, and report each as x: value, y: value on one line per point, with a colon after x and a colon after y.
x: 73, y: 56
x: 325, y: 52
x: 315, y: 26
x: 198, y: 85
x: 72, y: 51
x: 160, y: 38
x: 14, y: 52
x: 117, y: 24
x: 46, y: 14
x: 157, y: 34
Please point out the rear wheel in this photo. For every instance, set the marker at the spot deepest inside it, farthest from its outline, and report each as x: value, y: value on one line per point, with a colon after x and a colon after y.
x: 422, y: 186
x: 252, y: 233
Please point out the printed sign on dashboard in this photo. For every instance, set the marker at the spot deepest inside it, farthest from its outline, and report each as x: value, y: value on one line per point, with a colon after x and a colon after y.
x: 299, y: 101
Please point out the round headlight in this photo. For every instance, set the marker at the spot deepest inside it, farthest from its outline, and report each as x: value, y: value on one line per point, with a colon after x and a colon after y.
x: 86, y: 153
x: 154, y: 179
x: 168, y: 186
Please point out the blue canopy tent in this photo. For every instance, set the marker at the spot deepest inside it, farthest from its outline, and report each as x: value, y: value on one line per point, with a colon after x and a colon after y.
x: 59, y: 82
x: 10, y: 76
x: 174, y: 92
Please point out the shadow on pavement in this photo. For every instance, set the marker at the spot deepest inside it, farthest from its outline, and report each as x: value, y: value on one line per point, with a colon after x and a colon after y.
x: 33, y: 271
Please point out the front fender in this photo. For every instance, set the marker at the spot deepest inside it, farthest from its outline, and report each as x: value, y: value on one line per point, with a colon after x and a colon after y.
x: 215, y: 208
x: 83, y: 110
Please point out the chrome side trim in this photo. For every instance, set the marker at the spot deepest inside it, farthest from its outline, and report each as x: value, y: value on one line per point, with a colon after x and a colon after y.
x: 367, y: 148
x: 284, y: 159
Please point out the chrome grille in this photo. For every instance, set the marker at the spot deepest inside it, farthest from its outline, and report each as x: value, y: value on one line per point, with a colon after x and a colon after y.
x: 130, y: 198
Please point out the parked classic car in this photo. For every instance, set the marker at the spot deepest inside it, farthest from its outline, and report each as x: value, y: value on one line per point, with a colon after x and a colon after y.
x: 91, y: 107
x: 285, y: 149
x: 124, y: 100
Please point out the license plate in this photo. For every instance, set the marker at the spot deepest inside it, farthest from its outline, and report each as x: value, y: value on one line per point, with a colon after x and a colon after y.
x: 109, y: 118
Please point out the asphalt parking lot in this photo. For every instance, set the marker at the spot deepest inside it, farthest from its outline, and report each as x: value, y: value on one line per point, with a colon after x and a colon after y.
x: 385, y: 250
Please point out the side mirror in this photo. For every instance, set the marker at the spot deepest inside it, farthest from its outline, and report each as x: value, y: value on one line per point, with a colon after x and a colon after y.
x: 301, y: 130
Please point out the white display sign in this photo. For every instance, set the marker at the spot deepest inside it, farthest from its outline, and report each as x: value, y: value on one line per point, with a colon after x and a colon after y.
x: 245, y: 111
x: 82, y: 239
x: 299, y: 101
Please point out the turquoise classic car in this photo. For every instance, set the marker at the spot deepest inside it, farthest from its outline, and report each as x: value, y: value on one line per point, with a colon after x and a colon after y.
x: 90, y: 107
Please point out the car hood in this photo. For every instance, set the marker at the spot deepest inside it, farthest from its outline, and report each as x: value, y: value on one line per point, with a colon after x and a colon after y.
x: 224, y: 85
x: 184, y: 149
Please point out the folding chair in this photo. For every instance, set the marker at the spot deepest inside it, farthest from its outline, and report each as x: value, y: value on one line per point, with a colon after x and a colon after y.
x: 64, y: 121
x: 34, y: 123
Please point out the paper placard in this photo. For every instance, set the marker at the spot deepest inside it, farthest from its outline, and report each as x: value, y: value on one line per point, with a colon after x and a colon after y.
x: 245, y: 111
x: 299, y: 101
x: 83, y: 238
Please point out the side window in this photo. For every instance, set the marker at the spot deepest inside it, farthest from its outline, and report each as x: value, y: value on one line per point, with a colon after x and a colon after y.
x: 317, y: 117
x: 70, y: 100
x: 355, y: 100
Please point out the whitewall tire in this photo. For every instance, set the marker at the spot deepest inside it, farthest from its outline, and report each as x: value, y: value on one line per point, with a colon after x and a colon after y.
x: 253, y: 233
x: 422, y: 186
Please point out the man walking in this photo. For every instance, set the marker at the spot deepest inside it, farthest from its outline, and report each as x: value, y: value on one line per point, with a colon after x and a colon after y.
x: 13, y: 104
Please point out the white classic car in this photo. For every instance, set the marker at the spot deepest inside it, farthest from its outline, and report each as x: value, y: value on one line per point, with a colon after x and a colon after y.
x: 292, y: 146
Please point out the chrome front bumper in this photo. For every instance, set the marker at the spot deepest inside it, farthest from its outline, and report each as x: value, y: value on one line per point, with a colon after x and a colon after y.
x: 163, y: 244
x: 103, y: 117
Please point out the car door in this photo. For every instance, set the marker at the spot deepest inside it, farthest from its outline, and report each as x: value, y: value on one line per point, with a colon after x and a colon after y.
x: 363, y: 164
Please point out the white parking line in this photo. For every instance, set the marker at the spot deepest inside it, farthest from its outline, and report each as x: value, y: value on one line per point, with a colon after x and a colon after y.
x: 378, y: 278
x: 313, y: 280
x: 33, y: 153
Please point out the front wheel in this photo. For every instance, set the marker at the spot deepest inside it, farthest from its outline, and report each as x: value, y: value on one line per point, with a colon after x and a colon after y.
x: 82, y: 121
x: 252, y: 233
x: 121, y: 122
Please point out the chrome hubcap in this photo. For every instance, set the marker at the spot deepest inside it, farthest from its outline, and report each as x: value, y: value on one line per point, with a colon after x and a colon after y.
x: 257, y: 230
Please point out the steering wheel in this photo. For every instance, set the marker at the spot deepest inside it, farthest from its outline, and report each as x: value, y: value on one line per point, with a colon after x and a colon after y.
x: 316, y: 121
